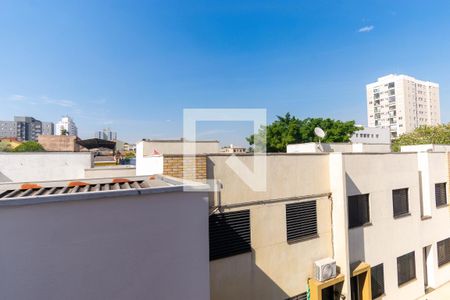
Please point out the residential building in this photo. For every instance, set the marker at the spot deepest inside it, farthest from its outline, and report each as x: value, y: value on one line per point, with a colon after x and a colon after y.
x: 25, y: 128
x: 66, y: 124
x: 382, y: 217
x: 133, y: 238
x: 402, y: 103
x: 106, y: 134
x: 372, y: 135
x: 233, y: 149
x: 59, y: 143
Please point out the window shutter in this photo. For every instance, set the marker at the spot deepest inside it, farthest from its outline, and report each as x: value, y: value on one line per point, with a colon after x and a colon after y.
x: 301, y: 220
x: 229, y: 234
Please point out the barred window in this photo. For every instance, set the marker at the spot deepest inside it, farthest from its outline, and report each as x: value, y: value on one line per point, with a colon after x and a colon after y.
x: 400, y: 202
x: 358, y: 210
x: 377, y: 281
x: 443, y: 249
x: 406, y: 268
x: 440, y: 191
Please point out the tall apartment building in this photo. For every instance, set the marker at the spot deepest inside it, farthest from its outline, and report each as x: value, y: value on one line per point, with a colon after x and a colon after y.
x: 106, y: 134
x: 402, y: 103
x: 25, y: 128
x: 66, y: 123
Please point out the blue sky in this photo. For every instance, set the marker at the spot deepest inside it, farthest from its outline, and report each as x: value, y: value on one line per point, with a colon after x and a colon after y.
x: 135, y: 65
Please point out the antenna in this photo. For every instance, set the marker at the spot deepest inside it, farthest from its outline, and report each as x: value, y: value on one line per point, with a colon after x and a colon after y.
x: 320, y: 134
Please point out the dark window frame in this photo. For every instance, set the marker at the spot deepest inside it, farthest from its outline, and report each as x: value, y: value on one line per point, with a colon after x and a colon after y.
x: 399, y: 195
x: 355, y: 218
x: 440, y: 190
x: 229, y: 234
x: 445, y: 258
x: 296, y: 230
x: 377, y: 270
x: 403, y: 262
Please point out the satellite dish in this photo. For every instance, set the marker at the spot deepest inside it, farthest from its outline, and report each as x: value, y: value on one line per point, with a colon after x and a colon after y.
x: 319, y: 132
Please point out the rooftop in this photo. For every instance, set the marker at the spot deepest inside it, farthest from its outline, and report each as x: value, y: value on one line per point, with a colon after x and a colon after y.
x: 51, y: 191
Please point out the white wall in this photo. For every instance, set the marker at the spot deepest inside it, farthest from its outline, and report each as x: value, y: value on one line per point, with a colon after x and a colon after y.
x: 372, y: 135
x: 41, y: 166
x: 147, y: 164
x: 153, y: 246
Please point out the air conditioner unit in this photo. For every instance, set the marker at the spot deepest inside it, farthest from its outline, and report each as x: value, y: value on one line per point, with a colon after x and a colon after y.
x: 324, y: 269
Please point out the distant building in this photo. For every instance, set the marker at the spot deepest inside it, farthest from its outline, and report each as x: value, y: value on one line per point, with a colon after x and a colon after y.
x: 59, y: 143
x: 402, y: 103
x: 106, y: 134
x: 372, y: 135
x: 25, y: 128
x: 66, y: 123
x: 233, y: 149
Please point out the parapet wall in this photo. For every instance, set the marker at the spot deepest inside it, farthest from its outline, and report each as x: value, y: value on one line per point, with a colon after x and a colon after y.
x: 183, y: 166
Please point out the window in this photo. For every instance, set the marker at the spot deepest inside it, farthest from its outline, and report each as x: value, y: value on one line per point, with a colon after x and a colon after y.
x: 358, y: 210
x: 400, y: 202
x: 440, y: 191
x: 301, y: 220
x: 377, y: 281
x: 443, y: 248
x: 229, y: 234
x: 406, y: 268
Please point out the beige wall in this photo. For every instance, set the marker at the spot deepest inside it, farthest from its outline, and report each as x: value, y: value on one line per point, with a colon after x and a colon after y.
x: 274, y: 269
x: 153, y: 246
x: 288, y: 175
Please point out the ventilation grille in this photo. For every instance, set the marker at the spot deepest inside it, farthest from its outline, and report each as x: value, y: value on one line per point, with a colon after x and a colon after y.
x: 229, y: 234
x: 61, y: 190
x: 301, y: 220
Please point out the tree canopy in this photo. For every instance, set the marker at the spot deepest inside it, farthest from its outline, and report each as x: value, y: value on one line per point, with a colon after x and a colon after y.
x: 29, y: 146
x: 439, y: 134
x: 5, y: 147
x: 289, y: 130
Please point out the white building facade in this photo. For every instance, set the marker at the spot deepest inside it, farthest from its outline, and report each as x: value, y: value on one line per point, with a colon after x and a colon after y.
x: 67, y: 124
x: 402, y: 103
x: 372, y: 135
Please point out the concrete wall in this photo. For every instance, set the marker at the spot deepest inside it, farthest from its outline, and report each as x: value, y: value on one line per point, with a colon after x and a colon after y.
x: 59, y: 143
x: 41, y: 166
x: 113, y: 171
x: 275, y: 269
x: 153, y: 246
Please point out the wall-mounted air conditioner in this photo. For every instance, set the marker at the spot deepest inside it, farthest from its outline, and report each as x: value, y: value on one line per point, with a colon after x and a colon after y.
x: 324, y: 269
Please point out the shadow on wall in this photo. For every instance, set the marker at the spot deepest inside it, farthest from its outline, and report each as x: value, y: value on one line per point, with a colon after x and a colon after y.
x: 234, y: 273
x: 356, y: 234
x: 4, y: 178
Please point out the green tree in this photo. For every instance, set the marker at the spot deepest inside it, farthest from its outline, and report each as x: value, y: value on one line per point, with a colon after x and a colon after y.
x: 64, y: 131
x: 289, y: 130
x: 30, y: 146
x: 5, y: 147
x: 439, y: 134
